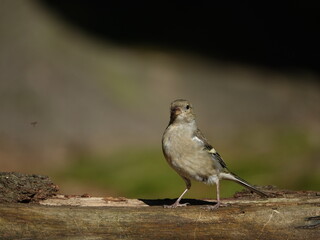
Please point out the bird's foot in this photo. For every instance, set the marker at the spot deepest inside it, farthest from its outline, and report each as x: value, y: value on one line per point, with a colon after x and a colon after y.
x: 176, y: 204
x: 214, y: 207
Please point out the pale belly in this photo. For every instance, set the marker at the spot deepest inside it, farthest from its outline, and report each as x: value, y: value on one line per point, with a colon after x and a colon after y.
x: 191, y: 160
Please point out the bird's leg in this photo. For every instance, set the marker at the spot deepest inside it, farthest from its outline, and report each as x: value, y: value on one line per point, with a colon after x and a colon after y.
x: 218, y: 204
x: 177, y: 202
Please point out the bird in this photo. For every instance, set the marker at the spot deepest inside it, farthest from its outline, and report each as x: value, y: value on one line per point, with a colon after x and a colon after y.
x: 190, y: 154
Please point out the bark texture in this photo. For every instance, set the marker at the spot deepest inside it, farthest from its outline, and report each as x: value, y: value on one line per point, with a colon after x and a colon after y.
x: 24, y: 188
x: 286, y: 215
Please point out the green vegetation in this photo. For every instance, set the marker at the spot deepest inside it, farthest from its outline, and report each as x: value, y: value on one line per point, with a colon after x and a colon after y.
x: 144, y: 173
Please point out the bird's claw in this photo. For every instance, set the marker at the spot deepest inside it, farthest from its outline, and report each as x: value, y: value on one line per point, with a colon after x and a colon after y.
x: 214, y: 207
x: 175, y: 205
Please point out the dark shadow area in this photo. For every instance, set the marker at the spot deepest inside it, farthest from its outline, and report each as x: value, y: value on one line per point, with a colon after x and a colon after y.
x: 278, y: 36
x: 167, y: 201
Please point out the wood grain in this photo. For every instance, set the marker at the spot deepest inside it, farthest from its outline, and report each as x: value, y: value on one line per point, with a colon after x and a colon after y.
x: 290, y: 215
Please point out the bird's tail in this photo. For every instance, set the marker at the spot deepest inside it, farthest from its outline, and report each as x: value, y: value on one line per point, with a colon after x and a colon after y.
x: 237, y: 179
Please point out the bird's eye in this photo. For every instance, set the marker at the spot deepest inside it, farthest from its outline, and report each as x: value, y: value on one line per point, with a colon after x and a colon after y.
x: 187, y: 107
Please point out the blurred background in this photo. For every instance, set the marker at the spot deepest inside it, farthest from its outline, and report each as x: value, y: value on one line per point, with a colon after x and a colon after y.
x: 85, y: 88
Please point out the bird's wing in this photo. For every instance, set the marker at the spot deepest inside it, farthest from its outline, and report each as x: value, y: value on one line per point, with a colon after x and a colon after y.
x: 199, y: 137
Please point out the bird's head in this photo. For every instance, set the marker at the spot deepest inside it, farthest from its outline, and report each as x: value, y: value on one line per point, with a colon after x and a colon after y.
x: 181, y: 111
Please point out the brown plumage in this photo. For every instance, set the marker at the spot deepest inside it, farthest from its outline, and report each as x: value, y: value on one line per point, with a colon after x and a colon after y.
x: 188, y: 152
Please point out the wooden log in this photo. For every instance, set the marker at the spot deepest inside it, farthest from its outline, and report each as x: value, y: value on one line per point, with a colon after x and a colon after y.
x: 24, y: 188
x: 291, y: 215
x: 29, y: 209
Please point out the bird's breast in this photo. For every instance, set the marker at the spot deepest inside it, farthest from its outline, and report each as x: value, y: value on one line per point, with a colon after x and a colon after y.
x: 186, y: 155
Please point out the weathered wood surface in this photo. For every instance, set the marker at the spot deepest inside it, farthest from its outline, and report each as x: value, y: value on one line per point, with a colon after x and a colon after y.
x: 25, y: 188
x: 288, y: 216
x: 30, y: 209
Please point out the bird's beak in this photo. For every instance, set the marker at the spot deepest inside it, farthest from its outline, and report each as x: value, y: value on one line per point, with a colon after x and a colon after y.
x: 176, y: 111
